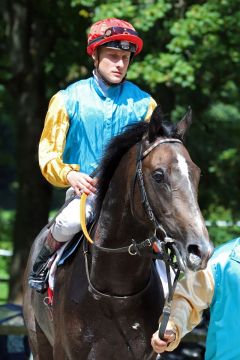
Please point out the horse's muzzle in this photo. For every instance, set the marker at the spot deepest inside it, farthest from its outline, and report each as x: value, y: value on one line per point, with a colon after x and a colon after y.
x: 198, y: 255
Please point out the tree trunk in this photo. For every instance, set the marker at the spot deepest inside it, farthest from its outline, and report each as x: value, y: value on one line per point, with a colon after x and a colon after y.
x: 29, y: 103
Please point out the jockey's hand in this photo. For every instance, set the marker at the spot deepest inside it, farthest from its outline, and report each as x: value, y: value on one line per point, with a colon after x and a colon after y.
x: 81, y: 182
x: 159, y: 346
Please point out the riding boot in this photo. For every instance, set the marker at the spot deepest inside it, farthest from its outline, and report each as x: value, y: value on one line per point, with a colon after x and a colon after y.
x: 39, y: 274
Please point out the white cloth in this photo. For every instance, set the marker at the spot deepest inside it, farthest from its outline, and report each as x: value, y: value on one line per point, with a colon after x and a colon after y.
x: 53, y: 267
x: 161, y: 269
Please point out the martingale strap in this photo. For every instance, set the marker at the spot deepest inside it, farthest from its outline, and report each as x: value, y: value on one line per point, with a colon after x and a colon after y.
x: 98, y: 294
x: 133, y: 249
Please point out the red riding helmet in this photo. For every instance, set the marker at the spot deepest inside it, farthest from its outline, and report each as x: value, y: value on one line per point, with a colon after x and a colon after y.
x: 114, y: 31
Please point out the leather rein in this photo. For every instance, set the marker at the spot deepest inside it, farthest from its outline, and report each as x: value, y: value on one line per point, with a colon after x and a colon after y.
x: 166, y: 247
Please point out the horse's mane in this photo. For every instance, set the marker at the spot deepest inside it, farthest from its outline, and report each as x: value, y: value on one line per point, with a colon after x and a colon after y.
x: 117, y: 147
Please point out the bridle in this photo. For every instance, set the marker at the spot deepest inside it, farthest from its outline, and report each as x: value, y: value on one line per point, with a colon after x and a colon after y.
x: 168, y: 248
x: 168, y: 251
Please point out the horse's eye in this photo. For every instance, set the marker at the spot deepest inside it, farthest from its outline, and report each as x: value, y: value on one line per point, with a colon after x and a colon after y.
x: 158, y: 175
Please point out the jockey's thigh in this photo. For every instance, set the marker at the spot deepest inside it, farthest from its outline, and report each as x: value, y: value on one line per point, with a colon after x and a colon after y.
x: 67, y: 223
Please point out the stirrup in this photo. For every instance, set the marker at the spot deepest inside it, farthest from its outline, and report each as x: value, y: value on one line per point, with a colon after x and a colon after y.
x: 39, y: 280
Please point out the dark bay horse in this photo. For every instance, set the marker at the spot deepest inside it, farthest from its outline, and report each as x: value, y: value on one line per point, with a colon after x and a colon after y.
x: 147, y: 188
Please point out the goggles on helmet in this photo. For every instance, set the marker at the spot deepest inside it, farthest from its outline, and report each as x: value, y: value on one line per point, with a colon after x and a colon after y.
x: 114, y: 30
x: 121, y: 44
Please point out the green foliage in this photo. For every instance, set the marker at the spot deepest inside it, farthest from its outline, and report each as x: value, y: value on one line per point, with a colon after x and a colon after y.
x: 163, y: 68
x: 219, y: 235
x: 6, y: 226
x: 224, y: 112
x: 221, y: 226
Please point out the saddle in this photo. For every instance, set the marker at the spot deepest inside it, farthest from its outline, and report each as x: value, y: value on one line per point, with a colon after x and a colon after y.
x: 61, y: 257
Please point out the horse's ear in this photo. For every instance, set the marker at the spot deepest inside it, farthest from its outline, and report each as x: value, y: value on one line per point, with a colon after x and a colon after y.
x: 184, y: 124
x: 155, y: 124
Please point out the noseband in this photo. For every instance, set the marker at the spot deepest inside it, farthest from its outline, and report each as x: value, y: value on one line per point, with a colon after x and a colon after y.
x: 168, y: 251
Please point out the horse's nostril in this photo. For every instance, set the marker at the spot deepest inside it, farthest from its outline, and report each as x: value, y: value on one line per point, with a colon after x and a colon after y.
x: 194, y: 255
x: 194, y: 249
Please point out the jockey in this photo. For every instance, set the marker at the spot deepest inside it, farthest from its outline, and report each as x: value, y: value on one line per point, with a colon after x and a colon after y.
x: 216, y: 287
x: 80, y: 122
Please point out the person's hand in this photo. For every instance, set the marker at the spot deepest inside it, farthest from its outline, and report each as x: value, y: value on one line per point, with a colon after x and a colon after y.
x: 81, y: 182
x: 159, y: 346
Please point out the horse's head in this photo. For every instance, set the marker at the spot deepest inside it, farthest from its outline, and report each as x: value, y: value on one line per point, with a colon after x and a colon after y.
x: 171, y: 181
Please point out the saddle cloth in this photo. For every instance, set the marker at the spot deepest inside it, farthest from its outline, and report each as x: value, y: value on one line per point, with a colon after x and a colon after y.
x: 62, y: 255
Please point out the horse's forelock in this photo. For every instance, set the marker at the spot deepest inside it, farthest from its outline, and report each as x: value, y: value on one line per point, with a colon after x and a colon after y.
x: 169, y: 130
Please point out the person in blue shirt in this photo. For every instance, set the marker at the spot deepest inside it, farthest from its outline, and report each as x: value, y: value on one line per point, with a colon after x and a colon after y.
x: 80, y: 122
x: 216, y: 287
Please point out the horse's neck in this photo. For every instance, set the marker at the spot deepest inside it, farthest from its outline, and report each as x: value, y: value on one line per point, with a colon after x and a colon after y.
x: 116, y: 228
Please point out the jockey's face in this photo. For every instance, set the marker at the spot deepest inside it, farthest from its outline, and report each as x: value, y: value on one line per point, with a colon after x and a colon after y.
x: 112, y: 64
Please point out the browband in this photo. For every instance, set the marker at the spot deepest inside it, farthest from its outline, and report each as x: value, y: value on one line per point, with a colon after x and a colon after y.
x: 158, y: 142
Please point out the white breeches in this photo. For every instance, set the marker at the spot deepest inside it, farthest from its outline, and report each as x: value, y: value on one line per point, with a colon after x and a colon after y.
x: 67, y: 223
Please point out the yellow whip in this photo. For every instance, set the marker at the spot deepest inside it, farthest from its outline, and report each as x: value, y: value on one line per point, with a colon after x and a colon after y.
x: 83, y: 200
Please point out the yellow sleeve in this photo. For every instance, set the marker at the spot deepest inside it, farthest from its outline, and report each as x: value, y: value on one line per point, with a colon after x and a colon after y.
x: 151, y: 107
x: 193, y: 294
x: 52, y: 144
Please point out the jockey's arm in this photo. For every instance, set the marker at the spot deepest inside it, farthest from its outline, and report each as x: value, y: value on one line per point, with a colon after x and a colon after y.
x: 151, y: 107
x: 193, y: 294
x: 52, y: 144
